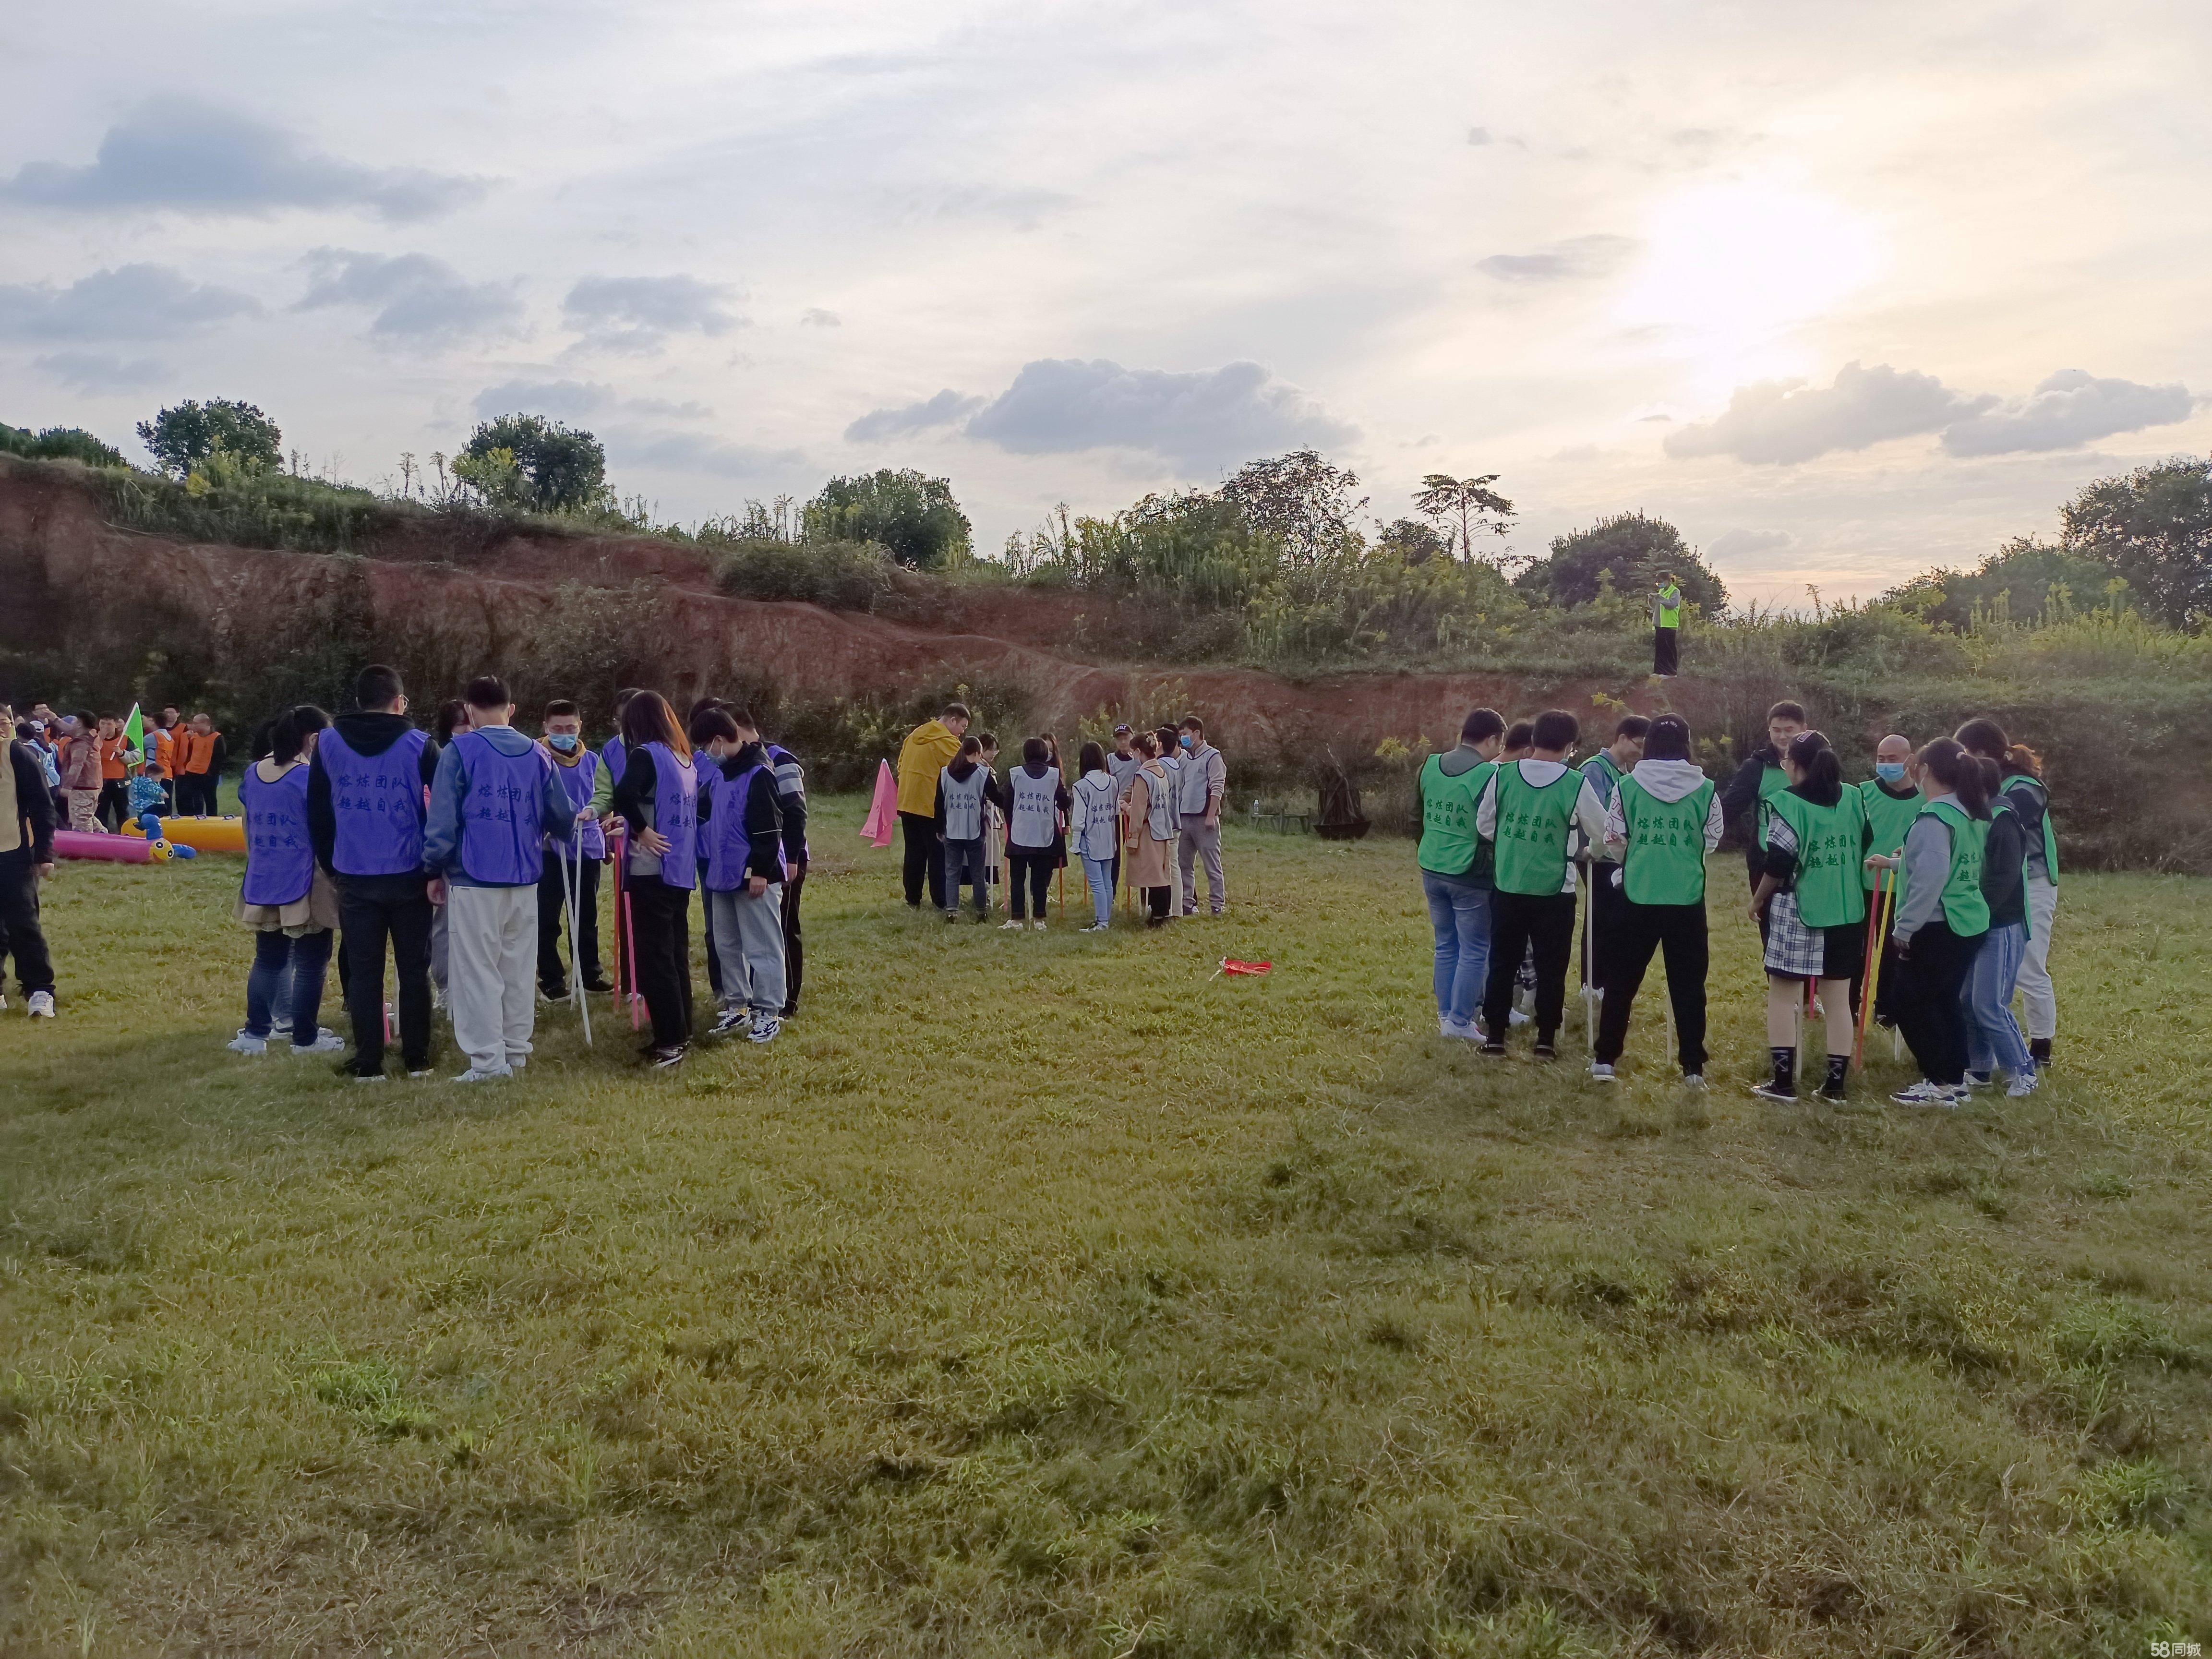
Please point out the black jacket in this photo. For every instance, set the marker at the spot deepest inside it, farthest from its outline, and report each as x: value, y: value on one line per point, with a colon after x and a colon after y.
x: 35, y: 804
x: 2004, y: 874
x: 1739, y: 800
x: 366, y: 735
x: 763, y: 811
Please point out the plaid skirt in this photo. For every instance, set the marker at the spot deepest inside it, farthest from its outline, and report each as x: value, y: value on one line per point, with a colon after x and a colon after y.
x: 1801, y: 952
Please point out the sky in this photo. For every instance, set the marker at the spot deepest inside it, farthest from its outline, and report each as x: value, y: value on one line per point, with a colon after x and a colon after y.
x: 1844, y: 292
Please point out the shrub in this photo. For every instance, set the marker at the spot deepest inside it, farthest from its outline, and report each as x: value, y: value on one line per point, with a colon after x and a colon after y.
x: 842, y: 575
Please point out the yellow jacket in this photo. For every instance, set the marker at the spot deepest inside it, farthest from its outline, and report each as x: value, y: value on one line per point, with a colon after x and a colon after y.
x: 927, y: 750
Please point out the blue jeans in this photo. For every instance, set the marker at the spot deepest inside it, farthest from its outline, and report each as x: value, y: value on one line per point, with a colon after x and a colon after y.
x: 1994, y: 1042
x: 288, y: 974
x: 1099, y: 873
x: 964, y: 862
x: 1459, y: 911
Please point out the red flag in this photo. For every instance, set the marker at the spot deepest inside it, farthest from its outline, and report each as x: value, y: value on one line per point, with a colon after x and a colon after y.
x: 1230, y: 965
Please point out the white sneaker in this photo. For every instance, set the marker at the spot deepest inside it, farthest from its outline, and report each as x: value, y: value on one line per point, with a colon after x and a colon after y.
x: 2023, y: 1084
x: 1011, y: 926
x: 1094, y: 928
x: 1977, y: 1081
x: 42, y: 1004
x: 280, y: 1027
x: 764, y: 1030
x: 732, y: 1019
x: 1038, y: 924
x: 326, y: 1041
x: 1694, y: 1081
x: 1516, y: 1017
x: 1464, y: 1029
x: 476, y: 1074
x: 1601, y: 1073
x: 244, y: 1044
x: 1924, y: 1093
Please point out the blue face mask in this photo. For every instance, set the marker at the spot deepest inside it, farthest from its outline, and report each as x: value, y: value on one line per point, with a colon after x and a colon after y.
x: 1187, y: 741
x: 1890, y: 771
x: 563, y: 741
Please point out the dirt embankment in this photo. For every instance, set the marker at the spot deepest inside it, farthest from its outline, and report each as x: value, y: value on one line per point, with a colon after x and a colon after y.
x: 78, y: 583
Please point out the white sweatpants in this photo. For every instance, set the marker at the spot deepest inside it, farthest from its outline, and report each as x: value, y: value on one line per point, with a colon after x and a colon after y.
x: 491, y: 972
x: 2036, y: 993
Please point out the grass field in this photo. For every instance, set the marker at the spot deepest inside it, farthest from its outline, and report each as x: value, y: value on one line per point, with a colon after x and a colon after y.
x: 1039, y: 1295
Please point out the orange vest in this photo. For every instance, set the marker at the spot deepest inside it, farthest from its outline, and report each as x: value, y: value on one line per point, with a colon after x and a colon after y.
x: 160, y: 746
x: 194, y: 751
x: 111, y: 756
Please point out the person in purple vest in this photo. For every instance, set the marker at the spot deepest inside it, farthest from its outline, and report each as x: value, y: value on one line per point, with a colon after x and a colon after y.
x: 289, y: 904
x: 365, y: 802
x: 581, y: 849
x: 790, y: 801
x: 491, y: 803
x: 613, y: 755
x: 657, y: 800
x: 741, y: 827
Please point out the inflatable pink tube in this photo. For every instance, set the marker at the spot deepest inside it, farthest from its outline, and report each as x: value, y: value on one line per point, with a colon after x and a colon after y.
x: 119, y: 849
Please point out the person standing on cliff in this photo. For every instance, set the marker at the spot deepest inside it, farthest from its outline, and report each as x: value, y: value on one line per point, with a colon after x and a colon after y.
x: 1667, y: 627
x: 928, y: 749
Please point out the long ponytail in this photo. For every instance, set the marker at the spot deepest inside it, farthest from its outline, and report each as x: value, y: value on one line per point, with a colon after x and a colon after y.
x: 1971, y: 778
x: 1811, y: 754
x: 1984, y: 737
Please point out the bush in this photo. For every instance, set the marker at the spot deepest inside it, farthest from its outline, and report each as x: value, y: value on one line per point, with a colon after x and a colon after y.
x: 59, y: 443
x: 842, y: 575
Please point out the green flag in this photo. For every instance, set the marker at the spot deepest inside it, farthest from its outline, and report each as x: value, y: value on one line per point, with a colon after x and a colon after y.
x: 134, y: 730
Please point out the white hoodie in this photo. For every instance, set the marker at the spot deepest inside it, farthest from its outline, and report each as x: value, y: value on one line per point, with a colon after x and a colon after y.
x: 1667, y: 780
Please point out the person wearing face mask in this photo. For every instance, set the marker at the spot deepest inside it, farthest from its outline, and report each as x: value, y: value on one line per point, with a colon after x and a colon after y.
x: 741, y: 828
x: 1200, y: 783
x: 1892, y: 800
x: 578, y: 845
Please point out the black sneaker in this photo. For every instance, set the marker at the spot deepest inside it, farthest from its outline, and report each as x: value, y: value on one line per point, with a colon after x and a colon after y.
x: 1777, y: 1092
x: 1546, y: 1051
x: 661, y: 1059
x: 1495, y: 1050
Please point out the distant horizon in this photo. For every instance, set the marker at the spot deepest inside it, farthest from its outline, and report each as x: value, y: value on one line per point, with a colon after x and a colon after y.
x: 1845, y: 297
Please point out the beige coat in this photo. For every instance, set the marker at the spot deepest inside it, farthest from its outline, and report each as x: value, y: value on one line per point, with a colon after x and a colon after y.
x: 1146, y: 862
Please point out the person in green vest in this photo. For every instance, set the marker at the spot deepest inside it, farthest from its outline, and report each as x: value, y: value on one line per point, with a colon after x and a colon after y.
x: 1758, y: 780
x: 2021, y: 789
x: 1603, y: 770
x: 1663, y: 819
x: 1667, y: 627
x: 1814, y: 902
x: 1994, y: 1042
x: 1940, y: 919
x: 1892, y: 801
x: 1455, y: 861
x: 1527, y: 810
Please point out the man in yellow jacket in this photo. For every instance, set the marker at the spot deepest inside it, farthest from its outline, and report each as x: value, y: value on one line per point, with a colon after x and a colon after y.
x: 928, y: 749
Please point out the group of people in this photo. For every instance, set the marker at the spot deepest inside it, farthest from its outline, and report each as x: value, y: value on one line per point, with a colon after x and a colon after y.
x: 98, y: 779
x: 1154, y: 799
x: 1947, y: 853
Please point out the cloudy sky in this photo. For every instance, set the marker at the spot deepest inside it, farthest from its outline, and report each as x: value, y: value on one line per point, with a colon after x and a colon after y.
x: 1844, y: 291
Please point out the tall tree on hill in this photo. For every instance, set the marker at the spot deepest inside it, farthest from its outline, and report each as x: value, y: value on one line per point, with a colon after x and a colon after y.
x: 911, y: 515
x: 1633, y: 548
x: 182, y: 436
x: 2154, y: 526
x: 1472, y: 501
x: 527, y: 461
x: 1302, y: 500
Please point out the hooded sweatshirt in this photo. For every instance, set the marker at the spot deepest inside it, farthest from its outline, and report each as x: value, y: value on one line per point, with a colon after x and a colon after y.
x: 1667, y: 780
x: 928, y: 749
x: 449, y: 788
x: 962, y: 769
x: 368, y: 736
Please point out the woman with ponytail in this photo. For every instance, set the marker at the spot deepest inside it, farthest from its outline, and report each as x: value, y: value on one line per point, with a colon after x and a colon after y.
x: 1941, y: 919
x: 1814, y: 906
x: 286, y: 898
x: 1994, y: 1042
x: 2021, y: 790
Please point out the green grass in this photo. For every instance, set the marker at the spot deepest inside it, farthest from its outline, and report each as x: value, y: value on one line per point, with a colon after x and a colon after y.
x: 1040, y: 1295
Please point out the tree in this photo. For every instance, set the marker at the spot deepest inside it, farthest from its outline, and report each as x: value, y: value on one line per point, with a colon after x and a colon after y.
x: 1471, y: 500
x: 1633, y: 548
x: 528, y: 462
x: 913, y: 516
x: 2025, y: 580
x: 181, y: 437
x: 56, y: 443
x: 2153, y: 527
x: 1411, y: 541
x: 1302, y: 500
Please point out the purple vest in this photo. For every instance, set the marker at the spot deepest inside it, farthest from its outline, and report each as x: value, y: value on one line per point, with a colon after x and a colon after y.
x: 676, y: 815
x: 503, y: 814
x: 280, y: 861
x: 729, y: 849
x: 576, y: 783
x: 615, y: 756
x: 377, y: 800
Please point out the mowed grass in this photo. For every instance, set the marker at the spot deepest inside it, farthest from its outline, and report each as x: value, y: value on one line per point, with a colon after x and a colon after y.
x: 1040, y: 1295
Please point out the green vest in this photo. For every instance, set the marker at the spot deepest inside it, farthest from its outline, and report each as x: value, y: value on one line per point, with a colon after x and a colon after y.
x: 1606, y: 771
x: 1664, y: 862
x: 1891, y: 818
x: 1829, y: 843
x: 1448, y: 842
x: 2049, y: 834
x: 1964, y: 907
x: 1771, y: 783
x: 1670, y: 607
x: 1532, y: 831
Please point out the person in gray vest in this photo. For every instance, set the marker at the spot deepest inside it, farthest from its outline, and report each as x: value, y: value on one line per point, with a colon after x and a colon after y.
x: 1200, y: 783
x: 1036, y: 807
x: 1122, y: 761
x: 963, y: 788
x: 1170, y: 761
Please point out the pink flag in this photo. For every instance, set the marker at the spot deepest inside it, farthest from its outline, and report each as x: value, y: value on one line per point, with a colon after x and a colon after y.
x: 883, y: 812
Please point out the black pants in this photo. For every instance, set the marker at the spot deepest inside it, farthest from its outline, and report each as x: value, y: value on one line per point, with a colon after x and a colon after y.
x: 1886, y: 992
x: 1038, y: 866
x: 1518, y: 922
x: 21, y: 935
x: 925, y: 857
x: 195, y: 795
x: 114, y: 807
x: 1666, y: 650
x: 795, y: 947
x: 1156, y: 904
x: 661, y: 917
x: 1679, y: 930
x: 1606, y: 904
x: 372, y: 909
x: 552, y: 907
x: 1929, y: 1012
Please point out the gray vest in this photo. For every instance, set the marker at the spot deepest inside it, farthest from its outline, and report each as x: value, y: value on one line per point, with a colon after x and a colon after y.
x: 1034, y: 818
x: 1101, y: 823
x: 963, y: 803
x: 1160, y: 820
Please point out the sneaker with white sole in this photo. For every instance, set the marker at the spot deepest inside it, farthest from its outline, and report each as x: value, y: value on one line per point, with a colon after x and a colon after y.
x: 1694, y: 1081
x: 1924, y: 1093
x: 732, y: 1019
x: 1038, y: 925
x: 1977, y: 1081
x: 477, y: 1074
x: 2022, y: 1085
x: 42, y: 1004
x: 326, y: 1041
x: 764, y: 1030
x: 661, y: 1059
x: 1094, y: 927
x: 1601, y: 1072
x: 280, y: 1026
x: 1011, y: 926
x: 246, y: 1044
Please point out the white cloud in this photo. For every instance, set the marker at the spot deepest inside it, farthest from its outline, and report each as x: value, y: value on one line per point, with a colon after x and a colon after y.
x: 2070, y: 408
x: 815, y: 317
x: 130, y: 302
x: 947, y: 408
x: 693, y: 451
x: 1778, y: 421
x: 1596, y: 255
x: 1197, y: 420
x: 638, y: 313
x: 193, y: 157
x: 100, y: 374
x: 572, y: 401
x: 1743, y: 543
x: 419, y: 302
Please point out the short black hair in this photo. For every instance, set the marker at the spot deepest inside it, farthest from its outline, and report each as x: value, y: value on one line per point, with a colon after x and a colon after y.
x: 622, y: 699
x: 987, y: 739
x: 743, y: 718
x: 1668, y: 739
x: 1633, y: 726
x: 1034, y: 751
x: 956, y: 711
x: 561, y: 708
x: 1192, y: 723
x: 1518, y: 734
x: 486, y: 691
x: 1480, y: 726
x: 1787, y: 710
x: 1555, y: 729
x: 377, y: 687
x: 971, y: 745
x: 707, y: 724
